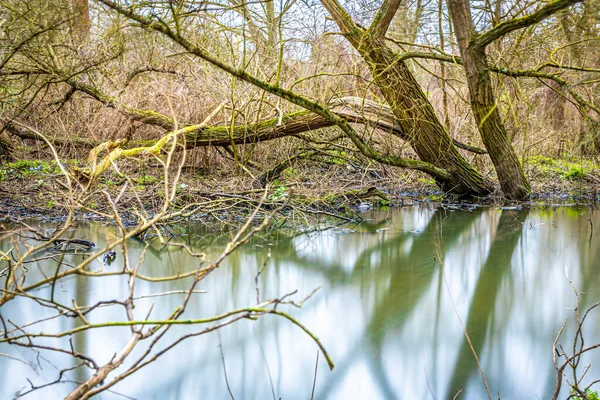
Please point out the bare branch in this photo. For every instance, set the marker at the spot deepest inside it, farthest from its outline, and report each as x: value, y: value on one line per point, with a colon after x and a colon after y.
x: 509, y: 26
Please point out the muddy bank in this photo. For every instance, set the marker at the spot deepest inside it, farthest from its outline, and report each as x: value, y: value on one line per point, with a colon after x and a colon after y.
x: 342, y: 209
x: 37, y: 188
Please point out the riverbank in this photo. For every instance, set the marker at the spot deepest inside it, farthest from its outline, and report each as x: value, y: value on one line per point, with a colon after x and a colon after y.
x: 37, y: 188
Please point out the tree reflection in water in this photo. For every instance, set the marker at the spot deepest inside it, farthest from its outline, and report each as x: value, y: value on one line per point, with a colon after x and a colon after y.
x: 387, y: 311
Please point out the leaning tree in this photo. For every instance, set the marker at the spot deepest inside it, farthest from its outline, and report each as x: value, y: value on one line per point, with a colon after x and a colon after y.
x: 414, y: 114
x: 409, y: 114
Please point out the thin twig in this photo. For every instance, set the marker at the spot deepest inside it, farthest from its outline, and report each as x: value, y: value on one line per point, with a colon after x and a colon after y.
x: 312, y: 394
x: 224, y: 367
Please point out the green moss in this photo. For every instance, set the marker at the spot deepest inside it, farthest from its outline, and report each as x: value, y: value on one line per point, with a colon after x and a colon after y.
x: 574, y: 173
x: 330, y: 198
x: 570, y: 168
x: 428, y: 181
x: 222, y: 132
x: 541, y: 160
x: 146, y: 180
x: 343, y: 157
x: 32, y: 167
x: 382, y: 203
x: 290, y: 172
x: 140, y: 143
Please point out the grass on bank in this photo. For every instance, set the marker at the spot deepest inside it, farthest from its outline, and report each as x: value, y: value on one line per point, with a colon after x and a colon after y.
x: 33, y: 182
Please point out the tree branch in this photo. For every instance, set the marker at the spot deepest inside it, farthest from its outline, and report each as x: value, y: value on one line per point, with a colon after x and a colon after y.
x: 514, y: 24
x: 145, y: 116
x: 288, y: 95
x: 515, y: 73
x: 383, y: 18
x: 343, y: 20
x: 354, y: 109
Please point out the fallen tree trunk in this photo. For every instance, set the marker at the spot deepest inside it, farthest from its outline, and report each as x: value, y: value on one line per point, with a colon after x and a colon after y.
x: 25, y: 134
x: 354, y: 109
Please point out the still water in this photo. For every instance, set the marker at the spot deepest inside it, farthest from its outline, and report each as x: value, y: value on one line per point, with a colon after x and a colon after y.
x: 398, y: 291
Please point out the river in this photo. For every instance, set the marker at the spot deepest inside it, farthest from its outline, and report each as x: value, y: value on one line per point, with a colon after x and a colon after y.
x: 398, y: 291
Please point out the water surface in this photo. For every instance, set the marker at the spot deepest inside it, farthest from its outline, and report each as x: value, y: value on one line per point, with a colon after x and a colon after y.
x: 398, y: 292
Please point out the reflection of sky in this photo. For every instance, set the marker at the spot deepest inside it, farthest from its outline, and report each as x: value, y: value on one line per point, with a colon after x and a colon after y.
x: 387, y: 312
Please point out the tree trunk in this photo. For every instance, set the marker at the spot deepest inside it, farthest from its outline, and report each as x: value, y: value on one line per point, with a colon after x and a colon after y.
x: 415, y: 114
x: 413, y: 111
x: 443, y: 64
x: 81, y: 20
x: 354, y: 109
x: 483, y: 104
x: 554, y: 105
x: 6, y: 149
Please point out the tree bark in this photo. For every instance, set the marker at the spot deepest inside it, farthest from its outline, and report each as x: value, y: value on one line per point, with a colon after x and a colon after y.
x: 413, y: 111
x: 554, y: 105
x: 483, y: 104
x: 6, y: 149
x: 354, y: 109
x: 417, y: 118
x: 82, y: 391
x: 81, y: 19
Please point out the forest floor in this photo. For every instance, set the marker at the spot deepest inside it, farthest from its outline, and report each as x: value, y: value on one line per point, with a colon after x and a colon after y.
x: 37, y: 187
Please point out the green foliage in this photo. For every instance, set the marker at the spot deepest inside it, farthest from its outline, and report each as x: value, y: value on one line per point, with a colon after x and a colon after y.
x: 427, y: 181
x: 338, y: 160
x: 383, y: 202
x: 591, y: 394
x: 30, y: 167
x: 541, y: 160
x: 339, y: 157
x: 290, y: 172
x: 330, y: 198
x: 280, y: 192
x: 574, y: 172
x: 146, y: 180
x: 34, y: 167
x: 566, y: 168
